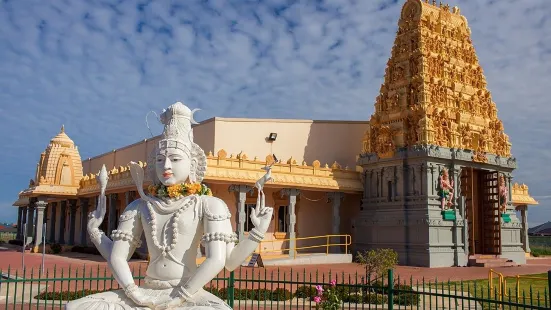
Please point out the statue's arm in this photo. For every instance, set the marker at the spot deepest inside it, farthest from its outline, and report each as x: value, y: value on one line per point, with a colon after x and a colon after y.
x: 97, y: 237
x: 218, y: 235
x: 261, y: 216
x: 125, y: 239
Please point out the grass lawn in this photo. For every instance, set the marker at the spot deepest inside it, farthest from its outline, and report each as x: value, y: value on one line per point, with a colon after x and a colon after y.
x: 539, y: 251
x: 533, y: 289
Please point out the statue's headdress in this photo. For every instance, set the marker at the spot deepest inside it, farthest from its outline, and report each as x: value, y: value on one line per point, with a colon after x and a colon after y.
x: 178, y: 133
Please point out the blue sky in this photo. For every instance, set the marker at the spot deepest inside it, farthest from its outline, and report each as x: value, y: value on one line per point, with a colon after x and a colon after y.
x: 99, y: 66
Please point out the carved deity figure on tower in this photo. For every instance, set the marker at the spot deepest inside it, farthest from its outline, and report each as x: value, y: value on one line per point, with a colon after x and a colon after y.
x: 503, y: 194
x: 176, y: 215
x: 445, y: 190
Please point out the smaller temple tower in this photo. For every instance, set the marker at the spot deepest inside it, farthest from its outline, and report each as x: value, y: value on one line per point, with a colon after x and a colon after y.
x: 436, y: 162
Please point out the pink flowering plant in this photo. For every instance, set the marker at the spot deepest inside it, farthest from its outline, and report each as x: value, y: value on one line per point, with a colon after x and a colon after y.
x: 327, y: 299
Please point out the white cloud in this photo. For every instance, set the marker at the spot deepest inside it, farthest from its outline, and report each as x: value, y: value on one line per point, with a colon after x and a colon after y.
x: 98, y: 67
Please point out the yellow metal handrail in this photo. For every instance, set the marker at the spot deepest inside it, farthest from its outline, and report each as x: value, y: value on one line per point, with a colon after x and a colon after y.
x: 502, y: 285
x: 326, y: 245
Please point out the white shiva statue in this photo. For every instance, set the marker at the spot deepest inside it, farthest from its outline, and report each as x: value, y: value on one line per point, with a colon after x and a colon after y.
x: 176, y: 215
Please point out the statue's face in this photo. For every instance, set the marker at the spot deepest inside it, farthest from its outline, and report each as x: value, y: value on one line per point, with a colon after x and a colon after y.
x: 172, y: 166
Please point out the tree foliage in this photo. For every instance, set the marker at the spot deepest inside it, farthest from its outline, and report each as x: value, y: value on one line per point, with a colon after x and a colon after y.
x: 377, y: 262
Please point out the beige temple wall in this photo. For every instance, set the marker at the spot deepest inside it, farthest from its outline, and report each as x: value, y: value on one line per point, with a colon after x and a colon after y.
x: 204, y: 135
x: 315, y: 218
x: 326, y: 141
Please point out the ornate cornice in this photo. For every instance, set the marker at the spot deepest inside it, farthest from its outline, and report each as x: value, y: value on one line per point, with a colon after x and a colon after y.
x: 242, y: 170
x: 521, y: 196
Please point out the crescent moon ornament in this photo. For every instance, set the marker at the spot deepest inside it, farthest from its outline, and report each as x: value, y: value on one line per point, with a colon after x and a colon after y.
x: 191, y: 116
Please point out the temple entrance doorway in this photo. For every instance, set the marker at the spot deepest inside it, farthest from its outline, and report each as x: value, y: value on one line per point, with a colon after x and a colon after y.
x: 481, y: 191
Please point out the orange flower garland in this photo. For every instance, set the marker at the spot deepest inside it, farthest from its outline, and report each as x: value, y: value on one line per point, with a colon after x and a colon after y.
x: 179, y: 190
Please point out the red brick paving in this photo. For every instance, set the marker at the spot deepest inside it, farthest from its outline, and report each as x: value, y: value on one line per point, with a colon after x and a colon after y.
x: 96, y: 266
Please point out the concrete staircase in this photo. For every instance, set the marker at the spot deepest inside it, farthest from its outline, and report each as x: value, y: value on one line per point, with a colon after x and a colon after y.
x: 490, y: 261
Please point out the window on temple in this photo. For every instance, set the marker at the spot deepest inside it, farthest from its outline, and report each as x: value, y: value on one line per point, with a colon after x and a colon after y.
x: 249, y: 207
x: 282, y: 220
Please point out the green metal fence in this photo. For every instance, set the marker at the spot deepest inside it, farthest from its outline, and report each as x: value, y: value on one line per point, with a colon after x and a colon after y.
x: 252, y: 288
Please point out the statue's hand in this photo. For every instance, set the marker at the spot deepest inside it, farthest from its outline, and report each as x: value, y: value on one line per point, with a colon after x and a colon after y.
x: 140, y: 296
x: 95, y: 218
x: 169, y: 304
x: 261, y: 217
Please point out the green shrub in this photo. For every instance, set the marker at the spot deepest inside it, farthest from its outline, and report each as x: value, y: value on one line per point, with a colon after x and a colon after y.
x: 353, y: 299
x: 252, y: 294
x: 281, y: 294
x: 377, y: 262
x: 343, y: 291
x: 85, y: 250
x: 375, y: 299
x: 305, y: 292
x: 538, y: 251
x: 56, y: 248
x: 407, y: 299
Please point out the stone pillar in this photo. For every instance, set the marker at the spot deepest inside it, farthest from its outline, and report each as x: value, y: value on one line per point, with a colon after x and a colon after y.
x: 241, y: 196
x: 62, y: 220
x: 72, y: 220
x: 367, y: 183
x: 112, y: 225
x: 30, y: 220
x: 336, y: 198
x: 53, y: 221
x: 40, y: 206
x: 456, y: 177
x: 23, y: 222
x: 83, y: 220
x: 509, y: 180
x: 19, y: 223
x: 524, y: 231
x: 292, y: 193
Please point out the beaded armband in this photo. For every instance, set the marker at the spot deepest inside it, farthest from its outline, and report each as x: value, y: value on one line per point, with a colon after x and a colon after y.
x: 218, y: 236
x: 216, y: 217
x: 255, y: 235
x: 126, y: 236
x: 130, y: 289
x: 95, y: 235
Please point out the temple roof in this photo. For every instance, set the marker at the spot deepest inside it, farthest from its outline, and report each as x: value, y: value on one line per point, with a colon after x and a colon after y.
x: 434, y: 90
x: 59, y: 169
x: 62, y: 139
x: 521, y: 196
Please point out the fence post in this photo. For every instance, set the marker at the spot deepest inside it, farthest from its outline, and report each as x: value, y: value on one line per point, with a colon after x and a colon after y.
x: 231, y: 289
x: 549, y: 286
x: 390, y: 289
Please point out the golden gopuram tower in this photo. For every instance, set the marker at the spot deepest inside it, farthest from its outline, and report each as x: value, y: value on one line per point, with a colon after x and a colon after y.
x: 436, y: 161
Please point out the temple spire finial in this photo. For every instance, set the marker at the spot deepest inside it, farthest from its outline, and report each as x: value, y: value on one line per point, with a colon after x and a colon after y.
x: 62, y: 128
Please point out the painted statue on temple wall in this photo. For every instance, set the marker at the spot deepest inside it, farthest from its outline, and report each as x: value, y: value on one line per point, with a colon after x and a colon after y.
x: 177, y: 214
x: 503, y: 194
x: 445, y: 189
